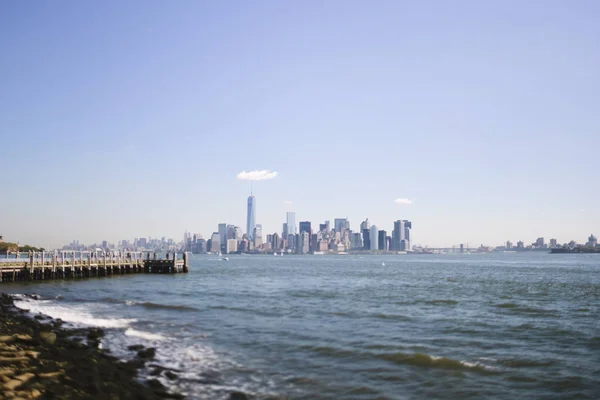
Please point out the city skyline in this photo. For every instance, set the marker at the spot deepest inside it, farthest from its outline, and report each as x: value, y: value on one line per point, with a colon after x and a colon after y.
x: 457, y: 116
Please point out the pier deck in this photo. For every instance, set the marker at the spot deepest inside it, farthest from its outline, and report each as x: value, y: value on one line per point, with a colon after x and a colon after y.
x: 86, y: 264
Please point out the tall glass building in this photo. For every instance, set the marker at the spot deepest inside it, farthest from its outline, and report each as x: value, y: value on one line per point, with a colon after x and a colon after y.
x: 251, y: 218
x: 291, y: 223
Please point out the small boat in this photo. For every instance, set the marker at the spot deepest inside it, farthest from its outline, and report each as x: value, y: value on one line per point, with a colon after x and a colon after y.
x: 225, y: 258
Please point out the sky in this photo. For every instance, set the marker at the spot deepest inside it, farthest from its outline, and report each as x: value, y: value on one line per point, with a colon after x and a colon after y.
x: 133, y: 119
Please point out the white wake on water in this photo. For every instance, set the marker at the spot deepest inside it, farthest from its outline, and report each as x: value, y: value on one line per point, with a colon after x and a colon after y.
x: 72, y: 315
x: 144, y: 335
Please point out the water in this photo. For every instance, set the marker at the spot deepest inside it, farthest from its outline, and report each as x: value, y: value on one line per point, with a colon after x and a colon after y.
x: 500, y: 326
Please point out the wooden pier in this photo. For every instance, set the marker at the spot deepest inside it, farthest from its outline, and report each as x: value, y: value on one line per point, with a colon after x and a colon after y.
x: 48, y: 265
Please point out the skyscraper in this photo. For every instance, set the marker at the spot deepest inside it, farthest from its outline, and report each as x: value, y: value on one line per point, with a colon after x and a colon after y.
x: 382, y: 242
x: 251, y: 217
x: 304, y: 227
x: 339, y: 224
x: 223, y: 235
x: 291, y: 223
x: 373, y: 238
x: 365, y: 225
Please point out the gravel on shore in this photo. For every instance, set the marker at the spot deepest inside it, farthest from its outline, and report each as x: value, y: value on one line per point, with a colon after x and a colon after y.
x: 41, y: 359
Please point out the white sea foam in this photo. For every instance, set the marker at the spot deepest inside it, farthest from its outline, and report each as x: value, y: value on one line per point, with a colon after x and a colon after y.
x: 144, y: 335
x: 71, y: 314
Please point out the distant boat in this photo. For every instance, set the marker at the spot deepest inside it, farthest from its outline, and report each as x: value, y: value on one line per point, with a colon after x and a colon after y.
x: 225, y: 259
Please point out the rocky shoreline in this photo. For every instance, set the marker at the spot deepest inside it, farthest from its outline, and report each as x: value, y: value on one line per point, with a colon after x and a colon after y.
x: 39, y: 358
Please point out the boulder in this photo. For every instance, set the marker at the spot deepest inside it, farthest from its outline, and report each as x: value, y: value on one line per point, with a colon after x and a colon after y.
x: 48, y: 337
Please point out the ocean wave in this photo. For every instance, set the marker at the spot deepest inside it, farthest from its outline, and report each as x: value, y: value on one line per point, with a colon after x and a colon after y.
x: 147, y: 304
x: 144, y: 335
x: 521, y: 363
x: 71, y: 315
x: 429, y: 361
x: 331, y: 351
x: 396, y: 317
x: 441, y: 302
x: 516, y: 308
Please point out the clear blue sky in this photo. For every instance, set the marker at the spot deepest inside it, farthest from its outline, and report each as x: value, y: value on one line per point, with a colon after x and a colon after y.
x: 132, y: 119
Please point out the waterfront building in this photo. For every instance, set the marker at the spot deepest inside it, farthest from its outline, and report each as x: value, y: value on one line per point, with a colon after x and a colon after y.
x: 223, y: 235
x: 553, y: 243
x: 292, y: 242
x: 339, y: 224
x: 305, y: 227
x: 509, y: 245
x: 276, y: 242
x: 540, y: 243
x: 232, y: 246
x: 284, y: 231
x: 215, y: 242
x: 365, y: 225
x: 520, y: 245
x: 373, y: 238
x: 303, y: 243
x: 291, y: 223
x: 356, y: 241
x: 366, y: 239
x: 251, y: 217
x: 592, y: 241
x: 381, y: 241
x: 257, y: 236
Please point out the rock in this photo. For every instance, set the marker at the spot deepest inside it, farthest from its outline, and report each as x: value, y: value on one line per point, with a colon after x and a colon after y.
x: 238, y: 396
x: 155, y: 384
x: 34, y: 394
x: 7, y: 339
x: 39, y: 317
x: 7, y: 371
x: 23, y: 338
x: 12, y: 384
x: 25, y: 377
x: 51, y: 375
x: 147, y: 354
x: 171, y: 375
x: 48, y: 337
x: 95, y: 334
x: 13, y: 360
x: 135, y: 347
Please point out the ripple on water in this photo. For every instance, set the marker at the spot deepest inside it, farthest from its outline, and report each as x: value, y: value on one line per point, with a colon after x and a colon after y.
x: 429, y: 361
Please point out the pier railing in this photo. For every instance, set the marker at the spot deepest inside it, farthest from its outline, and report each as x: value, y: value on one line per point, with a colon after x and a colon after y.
x: 83, y: 264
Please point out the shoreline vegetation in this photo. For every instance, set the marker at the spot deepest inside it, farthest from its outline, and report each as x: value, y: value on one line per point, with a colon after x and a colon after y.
x: 39, y: 358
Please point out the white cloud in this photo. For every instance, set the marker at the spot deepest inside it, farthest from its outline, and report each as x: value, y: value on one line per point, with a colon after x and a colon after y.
x: 257, y: 175
x: 401, y: 200
x: 288, y: 202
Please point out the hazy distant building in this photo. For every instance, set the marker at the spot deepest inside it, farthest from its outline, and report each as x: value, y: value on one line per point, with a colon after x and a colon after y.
x: 592, y: 241
x: 381, y: 240
x: 303, y: 243
x: 275, y: 242
x: 373, y: 238
x: 305, y: 227
x: 291, y: 242
x: 540, y: 242
x: 291, y: 223
x: 366, y: 239
x: 553, y: 243
x: 284, y: 230
x: 509, y: 245
x: 232, y: 246
x: 251, y: 217
x: 215, y: 242
x: 401, y: 235
x: 339, y: 224
x: 356, y: 241
x: 365, y: 225
x: 223, y: 235
x: 257, y: 236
